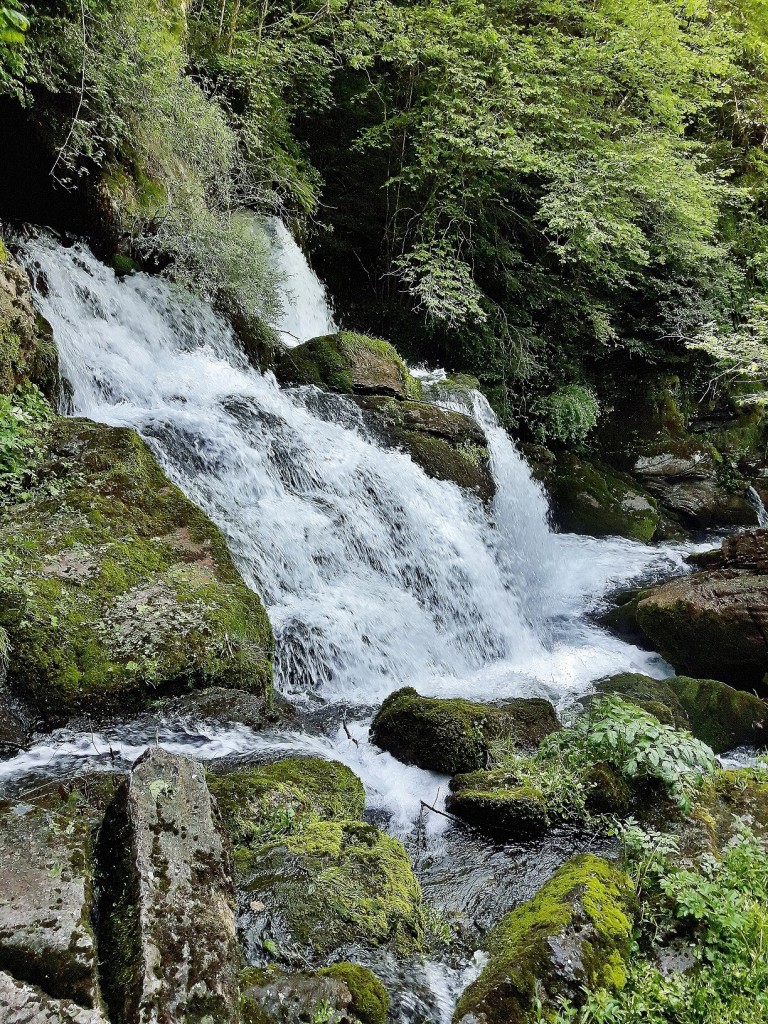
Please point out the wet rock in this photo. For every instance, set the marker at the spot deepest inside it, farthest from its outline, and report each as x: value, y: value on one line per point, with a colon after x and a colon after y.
x: 453, y: 735
x: 593, y: 499
x: 574, y: 934
x: 343, y: 994
x: 349, y: 363
x: 167, y: 927
x: 499, y: 804
x: 21, y: 1003
x: 310, y: 876
x: 714, y: 712
x: 218, y: 704
x: 27, y: 349
x: 447, y: 445
x: 13, y: 726
x: 46, y: 896
x: 711, y: 624
x: 122, y: 590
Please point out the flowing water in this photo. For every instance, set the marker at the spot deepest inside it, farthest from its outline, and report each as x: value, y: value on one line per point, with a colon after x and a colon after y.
x: 373, y: 574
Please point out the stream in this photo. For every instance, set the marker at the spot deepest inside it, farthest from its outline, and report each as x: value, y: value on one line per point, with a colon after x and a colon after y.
x: 374, y: 575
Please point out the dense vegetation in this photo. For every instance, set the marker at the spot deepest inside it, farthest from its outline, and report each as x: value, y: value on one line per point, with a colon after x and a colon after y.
x: 525, y: 188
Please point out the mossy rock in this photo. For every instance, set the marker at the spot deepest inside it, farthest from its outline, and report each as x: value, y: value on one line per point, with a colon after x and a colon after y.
x: 343, y: 993
x: 447, y: 445
x: 117, y: 589
x: 592, y: 499
x: 573, y: 935
x: 349, y: 363
x: 714, y: 712
x: 27, y: 349
x: 495, y: 802
x: 710, y: 625
x: 250, y: 799
x: 370, y: 1002
x: 322, y: 879
x: 330, y: 885
x: 453, y: 735
x: 499, y: 804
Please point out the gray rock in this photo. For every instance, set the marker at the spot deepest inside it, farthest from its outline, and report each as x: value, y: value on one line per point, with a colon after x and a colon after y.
x: 46, y: 899
x: 21, y: 1003
x: 168, y: 927
x: 301, y: 997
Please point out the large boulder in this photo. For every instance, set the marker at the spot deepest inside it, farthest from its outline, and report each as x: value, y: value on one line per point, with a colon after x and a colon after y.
x: 22, y: 1003
x: 117, y: 588
x: 310, y: 875
x: 714, y: 712
x: 349, y: 363
x: 27, y: 349
x: 166, y: 922
x: 454, y: 735
x: 344, y: 993
x: 714, y: 623
x: 573, y: 935
x: 588, y: 497
x: 447, y: 445
x: 46, y: 896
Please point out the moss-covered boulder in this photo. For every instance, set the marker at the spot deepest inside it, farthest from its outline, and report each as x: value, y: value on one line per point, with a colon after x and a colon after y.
x: 507, y: 807
x: 591, y: 498
x: 574, y: 934
x: 116, y: 588
x: 309, y: 874
x: 453, y: 735
x: 714, y: 712
x: 27, y: 349
x: 447, y: 445
x: 710, y: 624
x: 343, y: 993
x: 250, y: 798
x: 349, y: 363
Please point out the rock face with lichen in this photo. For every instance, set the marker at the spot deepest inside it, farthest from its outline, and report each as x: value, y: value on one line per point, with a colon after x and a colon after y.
x: 453, y: 735
x: 714, y: 623
x: 343, y: 993
x: 46, y: 899
x: 117, y: 588
x: 167, y: 924
x: 311, y: 875
x: 27, y: 348
x: 22, y: 1003
x: 575, y: 932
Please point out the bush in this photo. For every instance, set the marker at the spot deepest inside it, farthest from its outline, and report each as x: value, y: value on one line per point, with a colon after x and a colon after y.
x: 566, y: 415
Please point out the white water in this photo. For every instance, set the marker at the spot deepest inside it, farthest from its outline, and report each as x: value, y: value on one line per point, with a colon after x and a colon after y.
x: 374, y: 575
x: 307, y: 310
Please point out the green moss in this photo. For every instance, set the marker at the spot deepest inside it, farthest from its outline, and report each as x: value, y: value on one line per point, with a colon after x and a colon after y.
x: 496, y: 802
x: 656, y: 696
x: 595, y: 500
x: 123, y: 265
x: 581, y: 915
x: 454, y: 735
x: 120, y: 588
x: 348, y: 362
x: 272, y: 796
x: 370, y: 1002
x: 27, y: 349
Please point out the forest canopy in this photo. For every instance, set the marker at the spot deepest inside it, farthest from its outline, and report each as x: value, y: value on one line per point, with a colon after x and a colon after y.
x: 521, y: 188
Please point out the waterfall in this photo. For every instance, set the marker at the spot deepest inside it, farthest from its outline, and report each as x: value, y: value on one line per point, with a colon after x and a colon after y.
x: 307, y: 310
x: 756, y: 502
x: 373, y: 574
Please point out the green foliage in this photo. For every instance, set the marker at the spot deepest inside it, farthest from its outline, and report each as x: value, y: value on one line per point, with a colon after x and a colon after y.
x: 567, y: 415
x: 718, y: 919
x: 22, y: 414
x: 14, y: 26
x: 639, y: 746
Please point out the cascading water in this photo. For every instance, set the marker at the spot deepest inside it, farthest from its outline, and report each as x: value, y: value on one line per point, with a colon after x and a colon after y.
x: 307, y: 310
x: 373, y: 574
